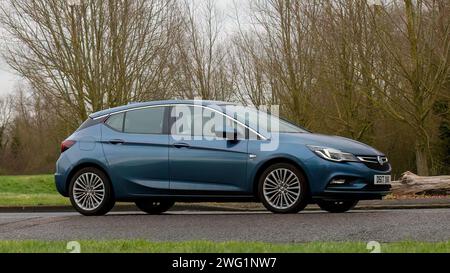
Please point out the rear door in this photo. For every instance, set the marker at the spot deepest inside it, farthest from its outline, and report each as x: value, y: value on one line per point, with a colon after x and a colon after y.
x: 136, y: 147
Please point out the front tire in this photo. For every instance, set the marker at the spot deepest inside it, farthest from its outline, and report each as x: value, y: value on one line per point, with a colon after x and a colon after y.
x: 153, y: 206
x: 90, y: 192
x: 283, y: 189
x: 337, y: 206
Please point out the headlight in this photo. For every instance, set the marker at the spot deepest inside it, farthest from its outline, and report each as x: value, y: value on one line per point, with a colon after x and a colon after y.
x: 332, y: 154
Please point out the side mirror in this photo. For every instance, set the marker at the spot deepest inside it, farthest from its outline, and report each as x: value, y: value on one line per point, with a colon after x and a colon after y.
x: 227, y: 133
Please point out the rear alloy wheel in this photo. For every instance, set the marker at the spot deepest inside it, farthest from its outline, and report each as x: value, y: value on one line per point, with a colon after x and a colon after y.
x: 90, y: 192
x: 337, y: 206
x: 154, y: 207
x: 283, y: 189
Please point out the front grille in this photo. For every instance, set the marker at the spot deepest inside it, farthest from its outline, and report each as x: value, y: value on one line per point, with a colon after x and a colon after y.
x: 379, y: 163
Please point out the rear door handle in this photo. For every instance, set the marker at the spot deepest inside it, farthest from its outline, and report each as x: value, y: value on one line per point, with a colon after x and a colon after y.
x: 117, y: 141
x: 181, y: 145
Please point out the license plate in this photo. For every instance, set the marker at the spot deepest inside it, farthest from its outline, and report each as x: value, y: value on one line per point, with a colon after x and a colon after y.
x: 382, y: 180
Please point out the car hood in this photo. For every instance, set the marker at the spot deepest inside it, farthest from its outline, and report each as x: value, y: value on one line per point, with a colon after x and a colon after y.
x: 336, y: 142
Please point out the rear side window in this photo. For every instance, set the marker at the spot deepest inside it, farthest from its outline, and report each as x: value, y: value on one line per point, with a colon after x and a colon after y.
x: 116, y: 122
x: 145, y: 121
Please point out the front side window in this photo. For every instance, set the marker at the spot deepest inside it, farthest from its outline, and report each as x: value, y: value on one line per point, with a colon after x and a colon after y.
x: 145, y: 121
x: 262, y: 121
x: 202, y: 122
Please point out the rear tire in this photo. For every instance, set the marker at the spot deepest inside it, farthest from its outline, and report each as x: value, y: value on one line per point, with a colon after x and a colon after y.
x: 90, y: 192
x: 153, y: 206
x: 337, y: 206
x: 283, y: 188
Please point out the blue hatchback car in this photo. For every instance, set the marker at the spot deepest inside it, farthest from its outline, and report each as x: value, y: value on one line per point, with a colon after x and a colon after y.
x: 158, y: 153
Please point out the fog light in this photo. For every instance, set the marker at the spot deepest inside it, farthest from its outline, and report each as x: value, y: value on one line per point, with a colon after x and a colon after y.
x: 338, y: 181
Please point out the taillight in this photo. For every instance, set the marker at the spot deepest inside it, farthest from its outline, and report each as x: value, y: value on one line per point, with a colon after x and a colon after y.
x: 66, y: 144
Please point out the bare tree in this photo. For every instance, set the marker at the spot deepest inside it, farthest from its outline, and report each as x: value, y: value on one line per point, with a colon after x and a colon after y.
x: 252, y: 82
x: 97, y: 54
x: 34, y: 134
x: 5, y: 118
x: 279, y: 48
x: 203, y: 67
x: 414, y: 39
x: 346, y: 44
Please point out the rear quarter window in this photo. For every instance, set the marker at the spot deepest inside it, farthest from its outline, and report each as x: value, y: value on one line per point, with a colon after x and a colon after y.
x: 88, y: 123
x: 116, y: 122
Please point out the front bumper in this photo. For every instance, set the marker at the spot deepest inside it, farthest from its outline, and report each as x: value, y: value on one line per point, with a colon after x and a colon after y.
x: 364, y: 194
x: 356, y: 189
x: 359, y: 179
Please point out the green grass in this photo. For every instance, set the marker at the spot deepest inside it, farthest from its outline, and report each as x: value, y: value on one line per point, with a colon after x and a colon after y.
x: 29, y: 190
x: 14, y: 199
x: 140, y: 246
x: 29, y: 184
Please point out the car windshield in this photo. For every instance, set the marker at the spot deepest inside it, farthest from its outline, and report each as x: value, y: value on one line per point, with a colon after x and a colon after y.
x: 261, y: 121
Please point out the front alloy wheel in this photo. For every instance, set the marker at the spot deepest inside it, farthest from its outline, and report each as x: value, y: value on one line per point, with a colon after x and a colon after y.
x: 90, y: 192
x: 283, y: 189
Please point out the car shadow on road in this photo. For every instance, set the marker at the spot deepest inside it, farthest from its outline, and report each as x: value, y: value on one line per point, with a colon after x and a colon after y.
x: 228, y: 213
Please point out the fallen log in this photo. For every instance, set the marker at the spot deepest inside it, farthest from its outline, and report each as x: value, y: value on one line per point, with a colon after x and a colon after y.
x: 411, y: 183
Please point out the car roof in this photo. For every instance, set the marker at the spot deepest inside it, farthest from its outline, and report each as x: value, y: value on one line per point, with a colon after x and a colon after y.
x: 152, y: 103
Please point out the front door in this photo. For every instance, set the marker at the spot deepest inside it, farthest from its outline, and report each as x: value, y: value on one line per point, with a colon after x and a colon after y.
x: 199, y: 161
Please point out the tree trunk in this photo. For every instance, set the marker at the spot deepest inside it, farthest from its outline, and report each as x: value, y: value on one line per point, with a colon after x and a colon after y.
x: 410, y: 183
x: 421, y: 159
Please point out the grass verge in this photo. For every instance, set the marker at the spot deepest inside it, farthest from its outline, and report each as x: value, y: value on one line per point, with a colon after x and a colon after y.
x: 30, y: 184
x: 141, y: 246
x: 14, y: 199
x: 29, y: 190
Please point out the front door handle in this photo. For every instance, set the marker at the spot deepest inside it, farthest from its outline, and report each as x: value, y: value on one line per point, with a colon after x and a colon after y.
x: 117, y: 141
x: 181, y: 145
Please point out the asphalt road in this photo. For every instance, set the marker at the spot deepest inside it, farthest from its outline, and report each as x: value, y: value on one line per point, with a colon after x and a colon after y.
x: 368, y: 225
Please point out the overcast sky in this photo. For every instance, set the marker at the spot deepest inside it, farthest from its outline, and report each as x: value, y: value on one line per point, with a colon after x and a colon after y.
x: 8, y: 79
